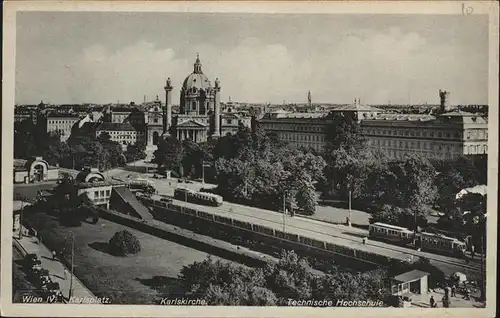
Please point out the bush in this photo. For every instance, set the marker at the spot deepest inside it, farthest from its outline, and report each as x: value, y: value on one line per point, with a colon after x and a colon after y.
x: 124, y: 243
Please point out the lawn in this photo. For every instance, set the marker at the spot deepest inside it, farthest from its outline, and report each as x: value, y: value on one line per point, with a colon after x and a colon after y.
x: 139, y: 279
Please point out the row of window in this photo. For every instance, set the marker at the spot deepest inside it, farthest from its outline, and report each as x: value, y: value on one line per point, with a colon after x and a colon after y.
x: 71, y: 121
x: 412, y: 144
x: 102, y: 193
x: 116, y: 133
x: 412, y: 133
x: 400, y: 154
x: 297, y: 137
x: 295, y: 127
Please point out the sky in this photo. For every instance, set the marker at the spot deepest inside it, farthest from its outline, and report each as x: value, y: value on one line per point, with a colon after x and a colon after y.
x: 106, y: 57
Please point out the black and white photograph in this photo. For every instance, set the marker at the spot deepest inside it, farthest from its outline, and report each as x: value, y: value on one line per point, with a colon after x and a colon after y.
x: 285, y: 159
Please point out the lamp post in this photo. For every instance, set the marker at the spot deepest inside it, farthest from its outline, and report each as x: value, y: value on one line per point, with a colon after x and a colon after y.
x: 284, y: 209
x: 21, y: 219
x: 72, y: 264
x: 203, y: 165
x: 349, y: 217
x: 483, y: 287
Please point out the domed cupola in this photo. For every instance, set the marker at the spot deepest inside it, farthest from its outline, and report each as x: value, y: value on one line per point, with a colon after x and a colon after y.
x: 196, y: 79
x: 196, y: 93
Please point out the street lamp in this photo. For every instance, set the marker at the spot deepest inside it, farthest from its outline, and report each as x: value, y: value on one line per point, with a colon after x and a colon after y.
x: 72, y: 263
x: 203, y: 165
x: 349, y: 217
x: 284, y: 209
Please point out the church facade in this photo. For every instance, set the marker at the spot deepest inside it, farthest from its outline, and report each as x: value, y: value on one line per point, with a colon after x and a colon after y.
x: 200, y: 112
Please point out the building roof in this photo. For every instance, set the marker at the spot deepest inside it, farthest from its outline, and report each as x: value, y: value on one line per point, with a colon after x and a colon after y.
x: 295, y: 115
x: 402, y: 117
x: 116, y: 127
x: 121, y: 109
x: 356, y: 107
x: 458, y: 113
x: 411, y: 276
x: 481, y: 189
x: 64, y: 115
x: 465, y: 117
x: 196, y: 79
x: 191, y: 123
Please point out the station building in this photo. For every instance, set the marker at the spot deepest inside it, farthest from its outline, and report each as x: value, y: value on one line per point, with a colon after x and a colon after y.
x: 34, y: 170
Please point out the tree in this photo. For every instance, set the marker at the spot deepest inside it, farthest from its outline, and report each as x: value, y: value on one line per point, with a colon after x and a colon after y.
x: 344, y: 131
x: 135, y: 151
x: 414, y: 183
x: 225, y: 284
x: 113, y: 150
x: 395, y: 215
x: 124, y: 243
x: 169, y: 154
x: 306, y: 195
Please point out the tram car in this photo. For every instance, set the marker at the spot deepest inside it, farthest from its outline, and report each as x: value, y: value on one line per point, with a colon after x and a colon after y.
x: 203, y: 198
x: 380, y: 230
x: 433, y: 242
x: 391, y: 233
x: 440, y: 243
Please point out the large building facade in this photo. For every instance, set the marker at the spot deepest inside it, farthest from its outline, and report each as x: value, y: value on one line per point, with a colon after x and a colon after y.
x: 200, y: 111
x: 448, y: 134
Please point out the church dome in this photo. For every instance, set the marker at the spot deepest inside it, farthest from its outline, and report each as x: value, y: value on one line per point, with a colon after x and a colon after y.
x: 196, y: 79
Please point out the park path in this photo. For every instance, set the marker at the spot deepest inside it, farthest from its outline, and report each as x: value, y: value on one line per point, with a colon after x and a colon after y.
x: 28, y: 245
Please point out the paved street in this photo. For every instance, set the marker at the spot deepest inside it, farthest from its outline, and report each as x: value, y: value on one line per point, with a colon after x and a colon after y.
x: 55, y: 268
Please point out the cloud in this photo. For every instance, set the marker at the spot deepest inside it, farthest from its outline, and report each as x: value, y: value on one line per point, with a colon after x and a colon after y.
x: 376, y: 66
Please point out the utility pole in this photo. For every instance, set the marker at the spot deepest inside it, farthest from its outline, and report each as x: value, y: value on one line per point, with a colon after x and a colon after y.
x: 284, y: 209
x: 72, y: 264
x: 21, y: 220
x: 203, y: 172
x: 483, y: 255
x: 415, y: 229
x: 349, y: 217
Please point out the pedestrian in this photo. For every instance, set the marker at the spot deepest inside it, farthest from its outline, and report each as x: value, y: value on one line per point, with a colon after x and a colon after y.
x: 54, y: 254
x: 432, y: 302
x: 65, y: 274
x: 453, y: 291
x: 472, y: 251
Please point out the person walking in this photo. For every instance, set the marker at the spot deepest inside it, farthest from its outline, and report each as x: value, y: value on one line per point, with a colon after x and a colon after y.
x: 432, y: 302
x: 54, y: 254
x: 65, y: 274
x: 453, y: 290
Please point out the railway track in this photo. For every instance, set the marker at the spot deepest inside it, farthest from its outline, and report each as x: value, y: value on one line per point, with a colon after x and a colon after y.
x: 406, y: 251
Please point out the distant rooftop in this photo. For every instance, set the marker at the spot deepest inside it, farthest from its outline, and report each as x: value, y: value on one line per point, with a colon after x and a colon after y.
x: 63, y: 115
x: 411, y: 276
x: 116, y: 127
x: 403, y: 117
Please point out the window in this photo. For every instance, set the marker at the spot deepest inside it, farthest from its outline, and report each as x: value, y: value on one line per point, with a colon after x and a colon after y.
x: 102, y: 193
x: 193, y: 105
x: 155, y: 120
x: 96, y: 194
x: 108, y: 192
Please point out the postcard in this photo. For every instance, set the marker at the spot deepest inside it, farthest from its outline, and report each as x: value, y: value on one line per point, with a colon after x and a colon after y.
x: 249, y: 159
